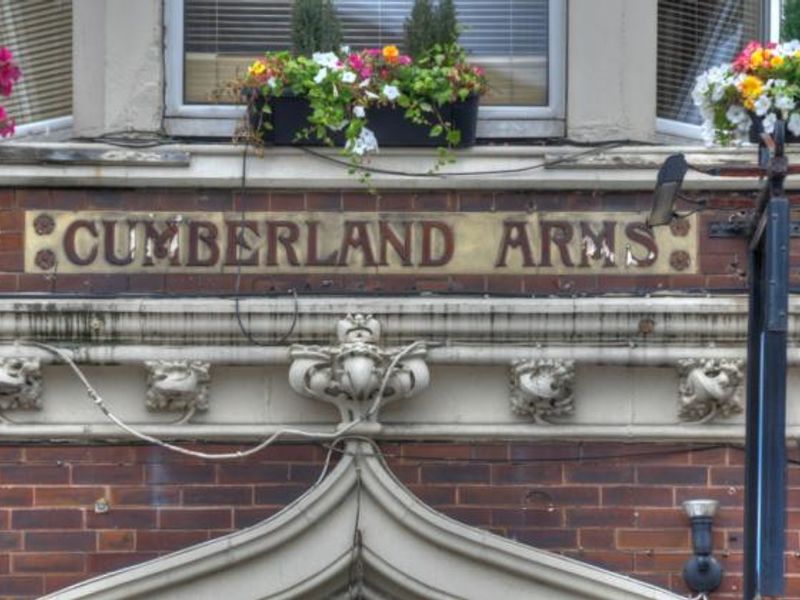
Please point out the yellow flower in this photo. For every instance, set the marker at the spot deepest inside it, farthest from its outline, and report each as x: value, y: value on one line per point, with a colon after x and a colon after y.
x: 391, y: 53
x: 257, y: 68
x: 776, y: 61
x: 757, y: 58
x: 751, y: 87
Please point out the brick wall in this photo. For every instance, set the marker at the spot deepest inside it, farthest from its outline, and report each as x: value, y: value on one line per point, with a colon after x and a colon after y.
x: 615, y: 505
x: 722, y: 260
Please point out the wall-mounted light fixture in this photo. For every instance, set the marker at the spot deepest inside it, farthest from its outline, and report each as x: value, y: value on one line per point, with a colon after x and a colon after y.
x: 702, y: 573
x: 668, y: 186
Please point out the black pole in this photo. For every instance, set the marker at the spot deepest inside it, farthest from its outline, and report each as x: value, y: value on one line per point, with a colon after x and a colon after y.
x: 765, y: 453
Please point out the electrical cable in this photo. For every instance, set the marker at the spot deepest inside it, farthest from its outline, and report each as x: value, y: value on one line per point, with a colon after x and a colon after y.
x: 98, y: 400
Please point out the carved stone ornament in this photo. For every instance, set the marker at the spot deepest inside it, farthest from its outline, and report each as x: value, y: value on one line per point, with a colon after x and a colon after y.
x: 709, y: 387
x: 349, y: 375
x: 177, y: 386
x: 20, y: 384
x: 542, y: 389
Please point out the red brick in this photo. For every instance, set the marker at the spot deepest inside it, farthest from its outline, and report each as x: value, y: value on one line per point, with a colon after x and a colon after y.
x: 122, y: 518
x: 727, y: 496
x: 68, y: 496
x: 215, y: 495
x: 504, y: 517
x: 727, y: 476
x: 16, y: 496
x: 323, y: 201
x: 145, y: 496
x: 534, y: 497
x: 88, y: 474
x: 545, y: 538
x: 589, y: 473
x: 11, y: 220
x: 105, y: 562
x: 55, y: 562
x: 434, y: 495
x: 612, y: 560
x: 245, y: 517
x: 287, y: 453
x: 526, y: 474
x: 662, y: 517
x: 597, y: 517
x: 10, y: 540
x: 258, y: 473
x: 395, y: 201
x: 10, y: 241
x: 60, y: 541
x: 115, y: 540
x: 214, y: 518
x: 477, y: 517
x: 289, y: 201
x: 711, y: 456
x: 179, y: 473
x: 455, y: 473
x: 359, y: 201
x: 550, y: 451
x: 596, y: 538
x: 278, y: 494
x: 475, y: 201
x: 12, y: 261
x: 46, y: 518
x: 653, y: 538
x: 660, y: 561
x: 21, y: 586
x: 89, y: 454
x: 168, y: 541
x: 490, y: 451
x: 55, y: 582
x: 630, y: 495
x: 435, y: 201
x: 33, y: 474
x: 677, y: 475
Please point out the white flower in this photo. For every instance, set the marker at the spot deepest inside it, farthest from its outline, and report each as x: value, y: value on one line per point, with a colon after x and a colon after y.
x: 364, y: 83
x: 359, y: 112
x: 364, y: 143
x: 348, y: 77
x: 391, y: 92
x: 344, y: 49
x: 794, y: 123
x: 371, y: 95
x: 325, y: 59
x: 321, y: 75
x: 737, y: 115
x: 769, y: 123
x: 784, y: 103
x: 707, y: 132
x: 762, y: 105
x: 271, y: 83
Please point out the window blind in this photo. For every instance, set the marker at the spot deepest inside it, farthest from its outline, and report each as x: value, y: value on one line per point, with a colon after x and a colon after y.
x: 39, y: 33
x: 508, y: 37
x: 694, y: 35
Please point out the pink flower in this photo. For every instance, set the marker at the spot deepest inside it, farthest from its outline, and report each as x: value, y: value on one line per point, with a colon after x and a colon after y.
x: 404, y: 60
x: 742, y: 61
x: 356, y: 62
x: 366, y: 72
x: 6, y: 124
x: 5, y: 55
x: 374, y: 52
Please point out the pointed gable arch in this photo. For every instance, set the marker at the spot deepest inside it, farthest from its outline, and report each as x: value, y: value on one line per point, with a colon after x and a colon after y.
x: 405, y: 550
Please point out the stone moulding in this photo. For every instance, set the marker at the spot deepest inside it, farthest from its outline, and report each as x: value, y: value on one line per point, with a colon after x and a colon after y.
x: 177, y: 385
x: 542, y: 389
x: 20, y: 384
x: 409, y: 552
x: 351, y: 374
x: 709, y: 388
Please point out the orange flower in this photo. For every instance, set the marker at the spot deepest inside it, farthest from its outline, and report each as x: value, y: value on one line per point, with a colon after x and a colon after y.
x: 391, y: 53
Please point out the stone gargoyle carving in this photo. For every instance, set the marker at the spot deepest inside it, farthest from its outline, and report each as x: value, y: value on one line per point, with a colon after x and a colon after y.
x: 709, y: 387
x: 542, y: 389
x: 20, y: 384
x: 350, y: 374
x: 177, y: 385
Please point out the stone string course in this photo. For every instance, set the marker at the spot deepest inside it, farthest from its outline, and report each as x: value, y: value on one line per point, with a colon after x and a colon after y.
x: 723, y: 261
x: 620, y: 513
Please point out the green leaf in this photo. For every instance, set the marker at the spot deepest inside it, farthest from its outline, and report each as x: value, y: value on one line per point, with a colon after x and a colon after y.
x: 436, y: 131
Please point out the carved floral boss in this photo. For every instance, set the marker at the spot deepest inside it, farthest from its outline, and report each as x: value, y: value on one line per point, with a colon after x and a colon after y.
x: 350, y: 374
x: 542, y: 389
x: 709, y: 387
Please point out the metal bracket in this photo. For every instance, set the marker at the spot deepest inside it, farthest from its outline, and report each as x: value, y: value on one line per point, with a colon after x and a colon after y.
x: 731, y: 229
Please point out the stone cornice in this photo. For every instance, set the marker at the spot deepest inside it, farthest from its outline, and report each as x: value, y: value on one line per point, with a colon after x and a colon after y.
x: 220, y: 166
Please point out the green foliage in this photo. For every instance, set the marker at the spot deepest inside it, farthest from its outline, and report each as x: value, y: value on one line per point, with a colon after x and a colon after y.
x: 790, y: 20
x: 315, y: 27
x: 447, y: 30
x: 420, y: 28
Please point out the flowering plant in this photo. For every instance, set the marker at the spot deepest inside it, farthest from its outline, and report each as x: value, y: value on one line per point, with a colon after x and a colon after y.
x: 762, y: 81
x: 9, y: 74
x: 342, y: 86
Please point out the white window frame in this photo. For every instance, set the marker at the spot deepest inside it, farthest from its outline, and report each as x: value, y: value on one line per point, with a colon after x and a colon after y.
x: 493, y: 121
x: 690, y: 131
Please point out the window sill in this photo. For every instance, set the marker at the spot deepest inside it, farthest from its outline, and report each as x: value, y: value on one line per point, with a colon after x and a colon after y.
x: 483, y: 167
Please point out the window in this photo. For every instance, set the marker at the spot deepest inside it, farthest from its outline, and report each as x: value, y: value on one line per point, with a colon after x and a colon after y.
x: 694, y: 35
x: 519, y: 42
x: 39, y: 33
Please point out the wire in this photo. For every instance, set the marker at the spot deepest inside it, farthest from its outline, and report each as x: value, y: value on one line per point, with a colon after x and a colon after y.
x: 440, y: 175
x: 98, y: 400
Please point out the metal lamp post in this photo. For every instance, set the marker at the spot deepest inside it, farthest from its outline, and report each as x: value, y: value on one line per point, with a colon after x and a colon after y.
x: 765, y: 449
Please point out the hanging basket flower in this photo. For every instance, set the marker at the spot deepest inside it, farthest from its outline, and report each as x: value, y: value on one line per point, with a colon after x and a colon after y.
x: 740, y: 99
x: 363, y: 100
x: 9, y: 75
